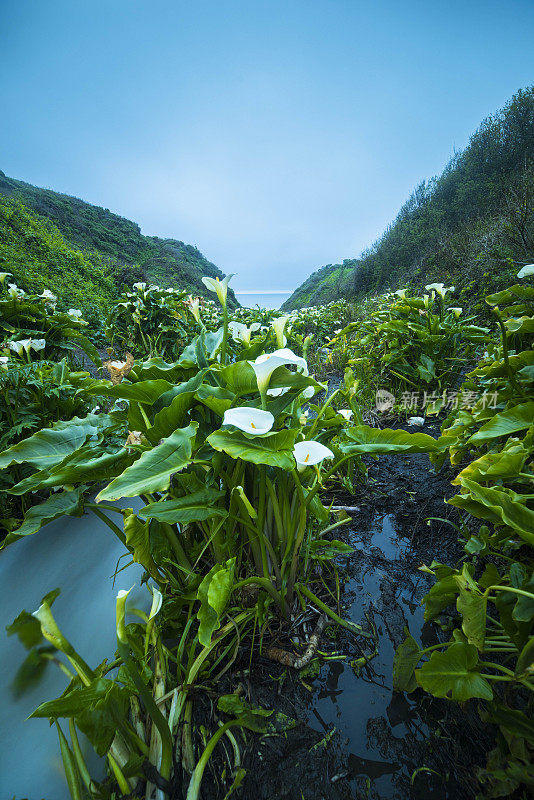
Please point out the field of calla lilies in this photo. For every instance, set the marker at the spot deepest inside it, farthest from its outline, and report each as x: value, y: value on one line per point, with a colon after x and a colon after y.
x: 215, y: 445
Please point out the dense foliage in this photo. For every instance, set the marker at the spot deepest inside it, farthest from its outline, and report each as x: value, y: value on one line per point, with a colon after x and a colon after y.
x: 37, y: 256
x: 407, y: 345
x: 468, y: 226
x: 490, y: 653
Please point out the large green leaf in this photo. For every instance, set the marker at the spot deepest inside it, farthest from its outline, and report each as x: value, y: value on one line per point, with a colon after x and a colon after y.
x: 216, y: 398
x: 441, y: 595
x: 171, y: 416
x: 520, y: 324
x: 275, y: 450
x: 49, y: 446
x: 153, y: 470
x: 516, y: 722
x: 191, y: 508
x: 140, y: 392
x: 87, y: 465
x: 471, y: 604
x: 453, y: 674
x: 154, y: 368
x: 519, y: 291
x: 239, y: 378
x: 503, y: 504
x: 365, y: 439
x: 99, y: 709
x: 57, y: 505
x: 506, y: 464
x: 138, y: 543
x: 214, y: 593
x: 506, y: 422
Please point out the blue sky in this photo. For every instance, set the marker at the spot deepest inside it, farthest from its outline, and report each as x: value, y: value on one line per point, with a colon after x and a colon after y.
x: 275, y: 136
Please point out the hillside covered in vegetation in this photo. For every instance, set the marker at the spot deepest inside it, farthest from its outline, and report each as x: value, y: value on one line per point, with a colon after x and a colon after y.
x: 467, y: 227
x: 114, y: 243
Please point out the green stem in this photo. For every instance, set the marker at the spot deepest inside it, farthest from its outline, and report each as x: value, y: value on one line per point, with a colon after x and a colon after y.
x: 196, y: 778
x: 157, y: 717
x: 351, y: 626
x: 115, y: 528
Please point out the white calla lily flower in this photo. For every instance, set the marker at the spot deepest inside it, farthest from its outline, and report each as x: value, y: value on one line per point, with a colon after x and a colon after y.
x: 20, y: 345
x: 14, y: 291
x: 75, y: 313
x: 249, y: 420
x: 122, y: 596
x: 309, y: 453
x: 440, y: 288
x: 346, y: 413
x: 194, y: 307
x: 4, y: 360
x: 265, y: 365
x: 219, y: 287
x: 456, y: 311
x: 401, y: 293
x: 157, y: 600
x: 140, y: 286
x: 528, y: 269
x: 38, y: 344
x: 278, y: 326
x: 4, y: 275
x: 240, y: 332
x: 49, y: 296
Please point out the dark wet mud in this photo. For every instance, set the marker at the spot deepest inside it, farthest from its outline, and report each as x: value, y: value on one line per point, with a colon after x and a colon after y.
x: 354, y: 736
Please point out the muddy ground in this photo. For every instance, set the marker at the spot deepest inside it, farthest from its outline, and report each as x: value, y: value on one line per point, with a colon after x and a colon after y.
x: 353, y: 737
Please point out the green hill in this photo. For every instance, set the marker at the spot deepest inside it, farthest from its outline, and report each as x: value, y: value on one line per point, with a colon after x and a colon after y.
x: 471, y: 226
x: 328, y: 283
x: 118, y: 242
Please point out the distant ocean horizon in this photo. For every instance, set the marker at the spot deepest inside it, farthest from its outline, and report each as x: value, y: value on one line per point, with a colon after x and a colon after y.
x: 268, y: 298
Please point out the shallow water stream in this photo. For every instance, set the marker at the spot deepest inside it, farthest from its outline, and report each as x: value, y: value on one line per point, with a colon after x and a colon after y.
x: 378, y: 727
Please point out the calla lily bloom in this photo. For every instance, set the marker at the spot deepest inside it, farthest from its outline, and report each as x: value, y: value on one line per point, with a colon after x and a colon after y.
x: 401, y: 293
x: 528, y: 269
x: 277, y: 392
x: 14, y: 290
x: 157, y: 600
x: 265, y: 365
x: 309, y: 453
x: 49, y: 296
x: 219, y: 287
x: 4, y: 275
x: 26, y: 345
x: 240, y: 332
x: 456, y: 311
x: 4, y: 360
x: 75, y: 313
x: 249, y: 420
x: 140, y: 286
x: 346, y: 413
x: 122, y: 596
x: 194, y: 307
x: 278, y: 326
x: 440, y: 288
